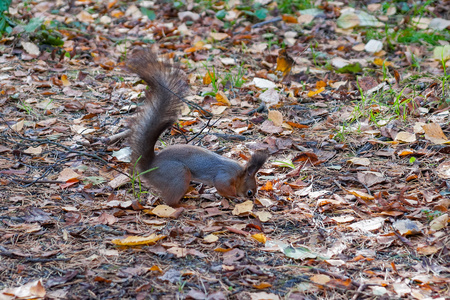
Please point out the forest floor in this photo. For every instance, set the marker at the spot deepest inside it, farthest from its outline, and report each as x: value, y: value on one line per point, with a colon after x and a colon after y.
x: 351, y: 100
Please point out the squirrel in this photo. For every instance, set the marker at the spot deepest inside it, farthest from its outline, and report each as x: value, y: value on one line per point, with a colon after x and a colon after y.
x: 175, y: 166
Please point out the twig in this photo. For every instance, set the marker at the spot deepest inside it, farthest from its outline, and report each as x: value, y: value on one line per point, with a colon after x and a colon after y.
x: 232, y: 137
x: 260, y: 109
x: 114, y: 138
x: 36, y: 181
x: 274, y: 20
x: 201, y: 130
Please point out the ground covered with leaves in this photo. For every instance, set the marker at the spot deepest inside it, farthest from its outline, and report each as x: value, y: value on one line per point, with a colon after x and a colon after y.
x: 351, y: 100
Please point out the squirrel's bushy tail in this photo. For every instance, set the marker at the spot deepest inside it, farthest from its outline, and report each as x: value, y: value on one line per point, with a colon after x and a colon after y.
x: 162, y: 103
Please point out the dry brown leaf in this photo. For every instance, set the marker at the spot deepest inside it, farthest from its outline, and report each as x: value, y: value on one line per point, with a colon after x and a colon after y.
x: 243, y: 208
x: 405, y: 137
x: 276, y: 117
x: 67, y: 174
x: 434, y: 133
x: 164, y: 211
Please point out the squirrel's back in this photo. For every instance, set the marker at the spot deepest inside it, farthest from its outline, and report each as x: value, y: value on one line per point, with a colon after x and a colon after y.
x: 162, y: 103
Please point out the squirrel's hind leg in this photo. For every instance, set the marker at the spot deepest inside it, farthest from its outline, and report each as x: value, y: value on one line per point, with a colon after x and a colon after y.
x: 172, y: 181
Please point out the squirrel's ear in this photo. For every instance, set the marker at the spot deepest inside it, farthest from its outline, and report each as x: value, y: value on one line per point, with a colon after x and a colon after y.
x: 256, y: 162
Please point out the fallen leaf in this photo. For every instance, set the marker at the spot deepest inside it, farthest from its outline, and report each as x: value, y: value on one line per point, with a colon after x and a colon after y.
x: 434, y: 134
x: 276, y: 117
x: 270, y: 97
x: 164, y: 211
x: 263, y: 83
x: 439, y: 222
x: 222, y: 98
x: 138, y: 240
x: 369, y: 224
x: 243, y: 208
x: 405, y: 137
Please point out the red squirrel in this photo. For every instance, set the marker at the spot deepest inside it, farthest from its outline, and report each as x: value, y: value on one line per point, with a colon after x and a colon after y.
x: 175, y: 166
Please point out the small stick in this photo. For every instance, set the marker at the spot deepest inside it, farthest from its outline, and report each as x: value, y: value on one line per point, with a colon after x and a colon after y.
x: 274, y: 20
x: 114, y: 138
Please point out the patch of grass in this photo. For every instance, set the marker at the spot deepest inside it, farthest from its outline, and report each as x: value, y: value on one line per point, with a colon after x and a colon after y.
x: 136, y: 183
x: 236, y: 80
x: 291, y: 6
x: 410, y: 35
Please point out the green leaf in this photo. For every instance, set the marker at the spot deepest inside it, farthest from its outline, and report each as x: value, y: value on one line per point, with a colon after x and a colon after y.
x: 149, y: 13
x: 2, y: 22
x: 4, y: 5
x: 221, y: 14
x: 261, y: 13
x: 352, y: 68
x: 33, y: 24
x: 412, y: 159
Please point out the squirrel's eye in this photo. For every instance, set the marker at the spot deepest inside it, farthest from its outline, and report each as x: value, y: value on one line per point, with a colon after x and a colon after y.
x: 249, y: 193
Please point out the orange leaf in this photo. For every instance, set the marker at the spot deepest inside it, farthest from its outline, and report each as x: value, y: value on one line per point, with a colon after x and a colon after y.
x: 223, y: 250
x: 156, y: 268
x: 207, y: 78
x: 267, y: 187
x: 284, y: 62
x: 117, y: 14
x: 111, y: 4
x: 262, y: 285
x: 187, y: 123
x: 289, y: 19
x: 406, y: 152
x: 296, y: 125
x: 192, y: 49
x: 320, y: 84
x: 361, y: 195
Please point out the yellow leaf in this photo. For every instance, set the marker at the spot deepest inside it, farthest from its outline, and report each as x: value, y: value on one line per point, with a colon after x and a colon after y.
x: 138, y: 240
x: 222, y: 98
x: 379, y: 62
x: 65, y: 80
x: 313, y: 93
x: 260, y: 237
